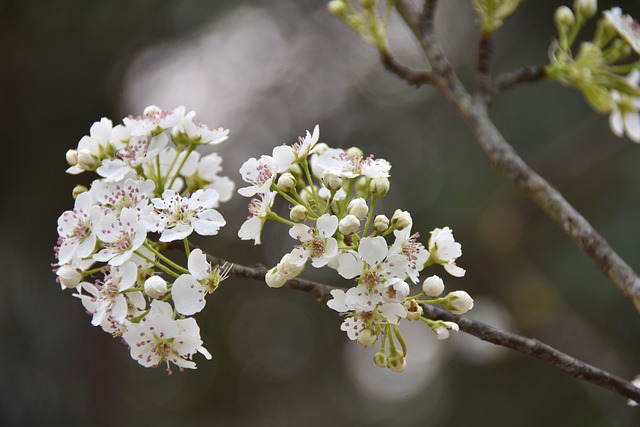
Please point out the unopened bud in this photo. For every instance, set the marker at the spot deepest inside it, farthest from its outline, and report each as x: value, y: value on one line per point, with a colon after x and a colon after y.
x: 400, y: 219
x: 442, y: 328
x: 397, y: 361
x: 433, y: 286
x: 320, y: 148
x: 87, y: 160
x: 332, y: 181
x: 286, y: 182
x: 586, y: 8
x: 379, y: 186
x: 155, y: 286
x: 152, y: 109
x: 78, y: 190
x: 296, y: 170
x: 72, y: 157
x: 459, y: 302
x: 564, y: 17
x: 362, y: 186
x: 381, y: 223
x: 298, y: 213
x: 358, y: 207
x: 367, y: 338
x: 355, y: 152
x: 275, y: 279
x: 69, y: 276
x: 336, y: 7
x: 348, y: 225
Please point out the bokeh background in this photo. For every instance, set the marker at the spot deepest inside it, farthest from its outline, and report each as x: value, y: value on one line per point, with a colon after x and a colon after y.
x: 269, y: 70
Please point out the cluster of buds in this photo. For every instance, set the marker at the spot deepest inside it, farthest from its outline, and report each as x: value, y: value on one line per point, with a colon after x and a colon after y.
x: 332, y: 195
x: 604, y: 69
x: 154, y: 189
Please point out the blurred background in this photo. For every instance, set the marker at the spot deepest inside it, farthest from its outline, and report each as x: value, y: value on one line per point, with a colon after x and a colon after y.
x: 269, y: 71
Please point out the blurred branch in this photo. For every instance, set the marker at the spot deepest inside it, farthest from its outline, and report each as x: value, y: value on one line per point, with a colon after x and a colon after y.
x: 539, y: 350
x: 487, y: 333
x: 524, y: 74
x: 413, y: 77
x: 485, y: 50
x: 504, y: 158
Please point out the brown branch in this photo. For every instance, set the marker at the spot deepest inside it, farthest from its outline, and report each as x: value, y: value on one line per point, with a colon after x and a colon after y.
x: 531, y: 347
x: 504, y: 158
x: 539, y: 350
x: 485, y: 50
x: 413, y: 77
x: 525, y: 74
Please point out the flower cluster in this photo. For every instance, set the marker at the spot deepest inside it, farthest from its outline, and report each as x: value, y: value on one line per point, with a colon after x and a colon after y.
x: 153, y: 189
x: 601, y: 68
x: 332, y: 195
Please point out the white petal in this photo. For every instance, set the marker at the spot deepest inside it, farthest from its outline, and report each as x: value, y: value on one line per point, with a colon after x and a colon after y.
x: 188, y: 295
x: 632, y: 125
x: 349, y: 266
x: 373, y: 249
x: 198, y: 265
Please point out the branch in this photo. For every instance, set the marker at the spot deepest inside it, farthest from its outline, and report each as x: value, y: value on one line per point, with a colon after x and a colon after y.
x: 524, y: 74
x: 505, y: 160
x: 539, y: 350
x: 528, y: 346
x: 413, y: 77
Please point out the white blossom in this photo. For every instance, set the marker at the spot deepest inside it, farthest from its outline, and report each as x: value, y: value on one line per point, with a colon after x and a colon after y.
x: 76, y: 229
x: 316, y: 243
x: 627, y: 27
x: 120, y: 237
x: 445, y: 250
x: 625, y: 114
x: 259, y: 207
x: 260, y: 173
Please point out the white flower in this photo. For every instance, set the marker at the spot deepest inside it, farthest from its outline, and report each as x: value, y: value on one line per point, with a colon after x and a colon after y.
x: 75, y: 228
x: 106, y: 301
x: 259, y: 173
x: 352, y: 326
x: 158, y: 338
x: 202, y: 172
x: 349, y: 165
x: 285, y: 155
x: 115, y: 196
x: 626, y: 26
x: 625, y: 115
x: 186, y: 131
x: 258, y: 208
x: 138, y: 150
x: 154, y: 120
x: 445, y: 250
x: 189, y: 290
x: 92, y: 148
x: 316, y: 243
x: 413, y: 251
x: 120, y: 237
x: 180, y: 216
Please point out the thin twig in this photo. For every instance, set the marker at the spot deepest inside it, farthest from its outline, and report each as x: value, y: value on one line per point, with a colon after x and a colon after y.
x: 504, y: 158
x: 531, y: 347
x: 539, y: 350
x: 524, y: 74
x: 413, y: 77
x: 485, y: 50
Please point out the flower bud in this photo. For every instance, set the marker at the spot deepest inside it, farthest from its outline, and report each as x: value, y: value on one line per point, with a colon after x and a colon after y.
x: 155, y: 286
x: 459, y: 302
x: 332, y: 181
x: 381, y: 360
x: 320, y: 148
x: 381, y: 223
x: 72, y: 157
x: 367, y: 338
x: 433, y: 286
x: 348, y: 225
x: 442, y: 328
x: 564, y: 17
x: 379, y: 186
x: 298, y: 213
x: 362, y: 186
x: 586, y: 8
x: 355, y: 152
x: 275, y: 279
x: 414, y: 310
x: 296, y: 170
x: 152, y: 109
x: 69, y: 276
x: 400, y: 219
x: 358, y: 208
x: 78, y: 190
x: 87, y: 160
x: 336, y: 7
x: 286, y: 182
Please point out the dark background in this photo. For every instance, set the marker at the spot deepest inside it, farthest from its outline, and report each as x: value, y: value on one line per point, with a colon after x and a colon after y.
x: 268, y: 71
